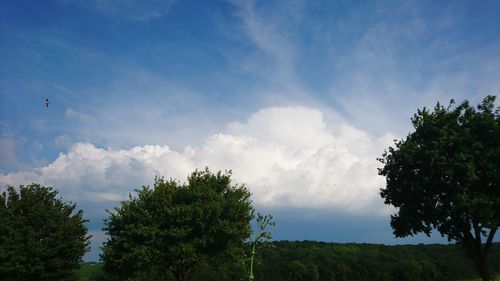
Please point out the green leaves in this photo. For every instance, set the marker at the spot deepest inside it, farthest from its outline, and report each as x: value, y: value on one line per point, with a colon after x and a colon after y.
x: 445, y: 174
x: 173, y: 226
x: 41, y: 237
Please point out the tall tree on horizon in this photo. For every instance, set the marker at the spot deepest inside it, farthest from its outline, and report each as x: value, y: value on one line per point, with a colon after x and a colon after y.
x: 445, y: 176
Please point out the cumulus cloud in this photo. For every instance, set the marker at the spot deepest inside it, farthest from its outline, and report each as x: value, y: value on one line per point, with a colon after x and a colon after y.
x: 287, y: 156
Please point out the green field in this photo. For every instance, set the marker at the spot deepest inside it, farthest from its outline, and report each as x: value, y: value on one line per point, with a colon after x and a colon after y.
x: 89, y: 272
x: 479, y: 279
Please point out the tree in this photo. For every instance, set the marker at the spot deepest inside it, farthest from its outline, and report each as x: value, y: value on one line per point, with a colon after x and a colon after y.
x: 174, y: 226
x: 445, y: 176
x: 41, y: 237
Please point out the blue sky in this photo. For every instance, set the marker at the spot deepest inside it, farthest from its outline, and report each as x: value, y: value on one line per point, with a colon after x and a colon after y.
x: 298, y: 98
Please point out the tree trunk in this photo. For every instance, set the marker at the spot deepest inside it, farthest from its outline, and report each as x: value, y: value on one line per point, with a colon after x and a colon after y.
x: 475, y: 250
x: 183, y: 274
x: 482, y: 268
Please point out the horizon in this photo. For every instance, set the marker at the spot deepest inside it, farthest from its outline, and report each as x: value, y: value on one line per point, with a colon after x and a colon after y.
x: 298, y: 99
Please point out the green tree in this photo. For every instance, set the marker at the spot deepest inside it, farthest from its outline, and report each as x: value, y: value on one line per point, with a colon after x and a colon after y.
x: 41, y: 237
x: 445, y: 176
x: 172, y: 227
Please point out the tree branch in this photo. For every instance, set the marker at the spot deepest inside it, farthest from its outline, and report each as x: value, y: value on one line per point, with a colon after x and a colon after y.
x: 489, y: 240
x: 468, y: 243
x: 477, y: 238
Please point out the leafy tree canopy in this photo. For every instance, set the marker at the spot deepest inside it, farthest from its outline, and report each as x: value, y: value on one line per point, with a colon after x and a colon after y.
x: 41, y: 237
x: 173, y: 226
x: 445, y: 176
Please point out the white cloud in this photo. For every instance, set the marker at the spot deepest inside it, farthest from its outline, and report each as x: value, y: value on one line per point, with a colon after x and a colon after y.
x: 280, y: 124
x: 287, y: 156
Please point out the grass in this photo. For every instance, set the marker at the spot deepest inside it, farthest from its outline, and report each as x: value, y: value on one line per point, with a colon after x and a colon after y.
x: 479, y: 279
x: 87, y: 271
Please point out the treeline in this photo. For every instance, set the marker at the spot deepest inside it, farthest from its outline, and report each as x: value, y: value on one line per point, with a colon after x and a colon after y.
x: 327, y: 261
x: 320, y: 261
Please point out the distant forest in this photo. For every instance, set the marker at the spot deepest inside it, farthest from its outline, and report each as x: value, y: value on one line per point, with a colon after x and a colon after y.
x: 315, y: 261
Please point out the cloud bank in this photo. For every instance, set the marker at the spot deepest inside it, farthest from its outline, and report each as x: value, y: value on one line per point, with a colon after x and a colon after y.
x: 289, y: 157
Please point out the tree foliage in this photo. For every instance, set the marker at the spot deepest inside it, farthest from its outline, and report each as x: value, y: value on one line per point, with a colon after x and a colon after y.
x: 445, y: 176
x: 320, y: 261
x: 173, y: 227
x: 41, y: 237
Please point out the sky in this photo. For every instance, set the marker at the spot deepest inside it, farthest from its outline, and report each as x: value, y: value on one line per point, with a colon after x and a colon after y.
x: 297, y: 98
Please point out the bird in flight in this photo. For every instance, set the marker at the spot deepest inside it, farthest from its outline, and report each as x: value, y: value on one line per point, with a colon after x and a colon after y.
x: 46, y: 102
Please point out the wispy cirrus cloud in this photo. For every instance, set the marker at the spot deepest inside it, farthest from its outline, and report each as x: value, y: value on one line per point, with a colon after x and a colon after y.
x: 369, y: 60
x: 9, y: 146
x: 276, y: 54
x: 71, y: 113
x: 385, y: 73
x: 133, y: 10
x: 8, y: 156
